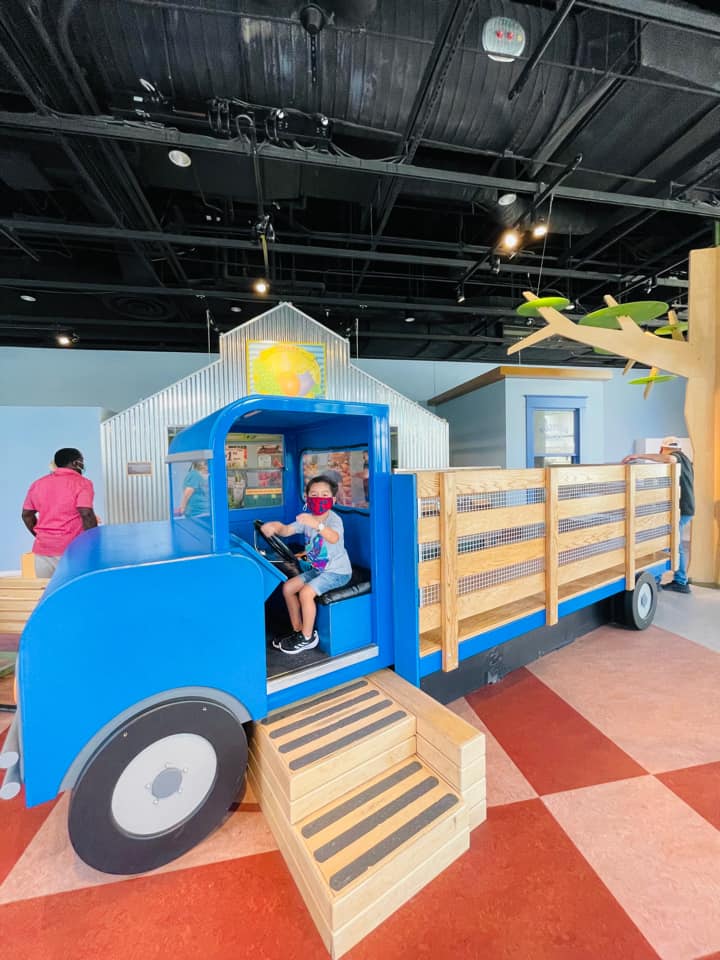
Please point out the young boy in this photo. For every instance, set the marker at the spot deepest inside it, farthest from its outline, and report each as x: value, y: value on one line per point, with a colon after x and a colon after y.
x: 325, y: 550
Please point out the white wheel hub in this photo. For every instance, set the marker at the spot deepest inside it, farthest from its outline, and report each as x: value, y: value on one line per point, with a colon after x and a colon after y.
x: 644, y: 600
x: 164, y: 784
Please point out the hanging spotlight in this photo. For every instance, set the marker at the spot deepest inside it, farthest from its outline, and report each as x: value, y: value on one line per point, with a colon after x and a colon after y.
x: 460, y: 295
x: 179, y: 158
x: 539, y: 230
x: 63, y: 340
x: 28, y: 298
x: 510, y: 240
x: 495, y: 264
x: 261, y: 286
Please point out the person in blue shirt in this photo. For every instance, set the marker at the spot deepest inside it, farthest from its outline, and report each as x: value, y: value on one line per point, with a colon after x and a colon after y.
x: 195, y: 498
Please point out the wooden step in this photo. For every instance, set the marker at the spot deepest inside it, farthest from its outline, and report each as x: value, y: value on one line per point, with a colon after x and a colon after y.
x: 24, y: 605
x: 12, y: 626
x: 371, y: 790
x: 22, y: 583
x: 361, y: 856
x: 316, y: 750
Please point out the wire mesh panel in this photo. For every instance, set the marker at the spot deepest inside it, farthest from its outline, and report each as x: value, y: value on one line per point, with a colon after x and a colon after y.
x: 590, y: 550
x: 567, y: 524
x: 490, y: 578
x: 643, y: 536
x: 652, y: 483
x: 648, y: 509
x: 575, y: 491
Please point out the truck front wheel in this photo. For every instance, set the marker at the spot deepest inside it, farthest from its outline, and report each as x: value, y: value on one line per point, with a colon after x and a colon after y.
x: 157, y: 786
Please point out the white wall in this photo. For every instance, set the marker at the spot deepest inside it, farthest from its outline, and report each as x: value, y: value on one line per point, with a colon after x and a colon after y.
x: 113, y: 380
x: 31, y: 435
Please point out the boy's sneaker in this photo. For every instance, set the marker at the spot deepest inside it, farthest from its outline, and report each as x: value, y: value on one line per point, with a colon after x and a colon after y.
x: 677, y: 587
x: 286, y: 638
x: 299, y: 643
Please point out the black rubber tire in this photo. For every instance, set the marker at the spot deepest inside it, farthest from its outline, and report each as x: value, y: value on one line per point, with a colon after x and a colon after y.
x: 95, y: 834
x: 639, y: 605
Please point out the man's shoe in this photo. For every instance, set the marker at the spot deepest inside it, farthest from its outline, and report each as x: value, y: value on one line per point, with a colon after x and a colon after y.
x: 299, y: 643
x: 678, y: 587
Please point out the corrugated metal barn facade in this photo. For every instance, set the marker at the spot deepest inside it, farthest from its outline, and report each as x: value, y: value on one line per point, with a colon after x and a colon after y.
x: 140, y: 433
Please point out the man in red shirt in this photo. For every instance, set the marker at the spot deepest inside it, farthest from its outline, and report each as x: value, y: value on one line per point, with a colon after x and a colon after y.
x: 64, y: 501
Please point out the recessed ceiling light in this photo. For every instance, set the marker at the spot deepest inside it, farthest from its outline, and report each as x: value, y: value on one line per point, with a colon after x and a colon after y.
x: 505, y: 199
x: 236, y: 309
x: 28, y: 298
x: 179, y: 158
x: 261, y: 286
x: 409, y: 319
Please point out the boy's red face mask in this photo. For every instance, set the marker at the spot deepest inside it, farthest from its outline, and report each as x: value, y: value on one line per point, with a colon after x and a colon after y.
x: 319, y: 505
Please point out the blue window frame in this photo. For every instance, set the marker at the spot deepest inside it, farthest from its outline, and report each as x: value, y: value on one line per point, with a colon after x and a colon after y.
x: 553, y: 430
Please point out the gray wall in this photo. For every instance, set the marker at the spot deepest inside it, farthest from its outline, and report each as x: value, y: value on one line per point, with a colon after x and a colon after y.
x: 477, y: 427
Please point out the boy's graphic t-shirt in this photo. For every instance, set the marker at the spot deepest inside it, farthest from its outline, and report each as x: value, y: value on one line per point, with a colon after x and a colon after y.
x: 325, y: 556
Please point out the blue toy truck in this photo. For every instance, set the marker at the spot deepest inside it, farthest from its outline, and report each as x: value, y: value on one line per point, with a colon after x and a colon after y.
x: 169, y: 626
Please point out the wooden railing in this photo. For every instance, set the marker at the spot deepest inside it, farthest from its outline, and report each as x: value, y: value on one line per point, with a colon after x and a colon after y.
x: 496, y: 545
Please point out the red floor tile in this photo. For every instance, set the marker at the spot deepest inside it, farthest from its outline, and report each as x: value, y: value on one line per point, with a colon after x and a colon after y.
x: 551, y: 743
x: 235, y: 910
x: 522, y: 892
x: 699, y: 787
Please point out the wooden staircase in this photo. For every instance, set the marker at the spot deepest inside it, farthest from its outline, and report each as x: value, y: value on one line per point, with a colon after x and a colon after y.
x: 18, y: 598
x: 371, y: 790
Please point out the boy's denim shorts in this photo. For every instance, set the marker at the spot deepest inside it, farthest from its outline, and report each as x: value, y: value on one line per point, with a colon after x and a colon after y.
x: 322, y: 582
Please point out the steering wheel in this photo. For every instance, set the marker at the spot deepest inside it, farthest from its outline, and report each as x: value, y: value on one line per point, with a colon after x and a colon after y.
x: 277, y: 545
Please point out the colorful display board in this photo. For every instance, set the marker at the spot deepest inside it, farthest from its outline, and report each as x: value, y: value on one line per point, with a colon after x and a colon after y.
x: 286, y: 369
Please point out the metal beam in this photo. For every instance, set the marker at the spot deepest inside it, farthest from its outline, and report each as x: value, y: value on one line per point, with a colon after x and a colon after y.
x: 450, y: 35
x: 233, y: 295
x: 681, y: 17
x: 61, y: 228
x: 557, y: 21
x: 171, y: 138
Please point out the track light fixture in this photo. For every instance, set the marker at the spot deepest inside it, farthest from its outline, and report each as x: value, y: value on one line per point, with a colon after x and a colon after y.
x: 66, y: 339
x: 460, y: 295
x: 539, y: 230
x: 495, y: 264
x: 510, y: 240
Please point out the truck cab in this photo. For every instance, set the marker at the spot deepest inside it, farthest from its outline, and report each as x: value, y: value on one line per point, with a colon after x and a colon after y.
x: 160, y: 634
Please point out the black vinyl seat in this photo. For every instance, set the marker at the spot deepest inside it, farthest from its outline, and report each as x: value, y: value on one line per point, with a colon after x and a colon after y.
x: 358, y: 584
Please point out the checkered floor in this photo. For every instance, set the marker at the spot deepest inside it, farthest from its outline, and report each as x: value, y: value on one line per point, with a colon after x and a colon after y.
x: 602, y: 838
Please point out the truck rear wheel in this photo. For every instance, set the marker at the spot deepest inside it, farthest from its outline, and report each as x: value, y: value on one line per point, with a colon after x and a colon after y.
x: 157, y: 786
x: 637, y: 609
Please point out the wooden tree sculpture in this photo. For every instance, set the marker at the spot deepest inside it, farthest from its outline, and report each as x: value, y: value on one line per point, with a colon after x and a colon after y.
x: 697, y: 359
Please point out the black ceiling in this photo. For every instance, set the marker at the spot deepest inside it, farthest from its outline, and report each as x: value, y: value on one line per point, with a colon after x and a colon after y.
x: 606, y: 127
